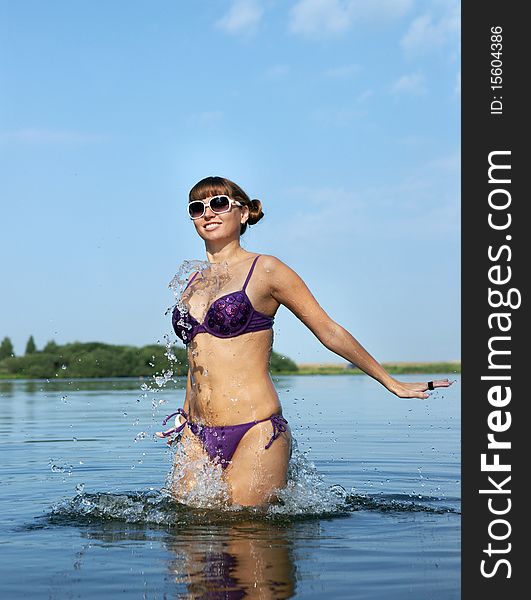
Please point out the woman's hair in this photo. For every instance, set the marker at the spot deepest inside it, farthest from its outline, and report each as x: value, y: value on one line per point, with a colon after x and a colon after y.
x: 211, y: 186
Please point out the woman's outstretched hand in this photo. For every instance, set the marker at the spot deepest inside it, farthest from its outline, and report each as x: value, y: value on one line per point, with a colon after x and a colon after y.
x: 404, y: 389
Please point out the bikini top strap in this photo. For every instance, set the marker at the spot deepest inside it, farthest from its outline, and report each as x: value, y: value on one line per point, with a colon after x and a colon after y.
x: 250, y: 271
x: 190, y: 280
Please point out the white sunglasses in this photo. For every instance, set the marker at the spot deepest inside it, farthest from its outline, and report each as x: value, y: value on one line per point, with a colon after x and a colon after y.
x: 217, y: 204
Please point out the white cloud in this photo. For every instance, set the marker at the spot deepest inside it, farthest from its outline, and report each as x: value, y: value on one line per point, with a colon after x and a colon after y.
x: 451, y: 163
x: 310, y: 17
x: 427, y: 32
x: 51, y: 136
x: 337, y: 117
x: 364, y: 96
x: 323, y: 196
x: 418, y: 206
x: 276, y: 71
x: 207, y: 117
x: 326, y: 203
x: 413, y: 140
x: 323, y: 18
x: 343, y: 72
x: 412, y: 84
x: 380, y: 10
x: 243, y: 16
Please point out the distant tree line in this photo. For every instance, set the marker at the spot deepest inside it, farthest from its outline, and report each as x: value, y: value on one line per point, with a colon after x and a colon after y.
x: 96, y: 359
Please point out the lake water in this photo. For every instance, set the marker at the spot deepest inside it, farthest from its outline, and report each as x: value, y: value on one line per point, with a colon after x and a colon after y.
x: 372, y: 509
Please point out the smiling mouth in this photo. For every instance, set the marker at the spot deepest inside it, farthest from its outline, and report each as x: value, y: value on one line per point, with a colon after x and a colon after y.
x: 211, y: 225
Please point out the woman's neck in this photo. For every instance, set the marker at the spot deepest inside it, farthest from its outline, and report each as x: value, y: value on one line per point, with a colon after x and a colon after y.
x: 228, y: 253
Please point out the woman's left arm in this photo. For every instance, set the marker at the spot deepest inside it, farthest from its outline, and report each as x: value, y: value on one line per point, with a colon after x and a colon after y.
x: 290, y: 290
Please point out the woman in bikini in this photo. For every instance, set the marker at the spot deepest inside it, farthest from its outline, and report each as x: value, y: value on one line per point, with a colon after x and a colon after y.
x: 232, y: 414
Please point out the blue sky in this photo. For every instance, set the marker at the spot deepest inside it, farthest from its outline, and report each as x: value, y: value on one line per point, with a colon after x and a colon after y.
x: 342, y: 117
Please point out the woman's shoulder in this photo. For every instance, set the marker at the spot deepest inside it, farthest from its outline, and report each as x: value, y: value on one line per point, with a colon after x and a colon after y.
x: 276, y: 269
x: 270, y: 262
x: 281, y: 279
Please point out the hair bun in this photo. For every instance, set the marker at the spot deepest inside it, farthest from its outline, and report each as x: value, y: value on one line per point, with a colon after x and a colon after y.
x: 255, y: 211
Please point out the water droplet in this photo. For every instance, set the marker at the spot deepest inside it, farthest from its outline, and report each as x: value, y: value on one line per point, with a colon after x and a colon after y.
x: 140, y: 436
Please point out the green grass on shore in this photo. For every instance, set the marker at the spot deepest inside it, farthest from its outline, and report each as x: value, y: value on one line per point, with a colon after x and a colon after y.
x: 395, y: 368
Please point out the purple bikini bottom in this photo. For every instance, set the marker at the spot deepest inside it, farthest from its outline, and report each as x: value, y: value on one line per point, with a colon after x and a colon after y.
x: 221, y: 442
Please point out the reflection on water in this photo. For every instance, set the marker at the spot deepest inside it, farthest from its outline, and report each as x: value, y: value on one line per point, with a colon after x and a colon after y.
x: 6, y: 387
x: 246, y: 559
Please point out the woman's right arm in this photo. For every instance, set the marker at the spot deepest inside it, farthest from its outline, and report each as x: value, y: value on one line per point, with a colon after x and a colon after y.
x: 291, y: 291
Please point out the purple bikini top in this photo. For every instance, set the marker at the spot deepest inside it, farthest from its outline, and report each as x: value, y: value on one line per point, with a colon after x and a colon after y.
x: 228, y: 316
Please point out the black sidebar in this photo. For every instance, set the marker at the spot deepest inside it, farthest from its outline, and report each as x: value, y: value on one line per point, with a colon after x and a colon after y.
x: 496, y: 258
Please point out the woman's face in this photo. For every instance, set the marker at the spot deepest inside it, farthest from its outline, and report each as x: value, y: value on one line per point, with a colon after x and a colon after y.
x: 225, y: 226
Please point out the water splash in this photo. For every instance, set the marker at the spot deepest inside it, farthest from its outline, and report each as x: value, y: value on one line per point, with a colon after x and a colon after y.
x: 55, y: 468
x: 195, y: 480
x: 180, y: 279
x: 306, y: 491
x: 218, y: 275
x: 162, y: 379
x: 161, y: 508
x: 306, y: 496
x: 178, y: 284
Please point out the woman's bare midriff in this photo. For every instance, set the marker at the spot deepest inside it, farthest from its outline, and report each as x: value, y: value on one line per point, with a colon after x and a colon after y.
x: 230, y: 380
x: 231, y: 385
